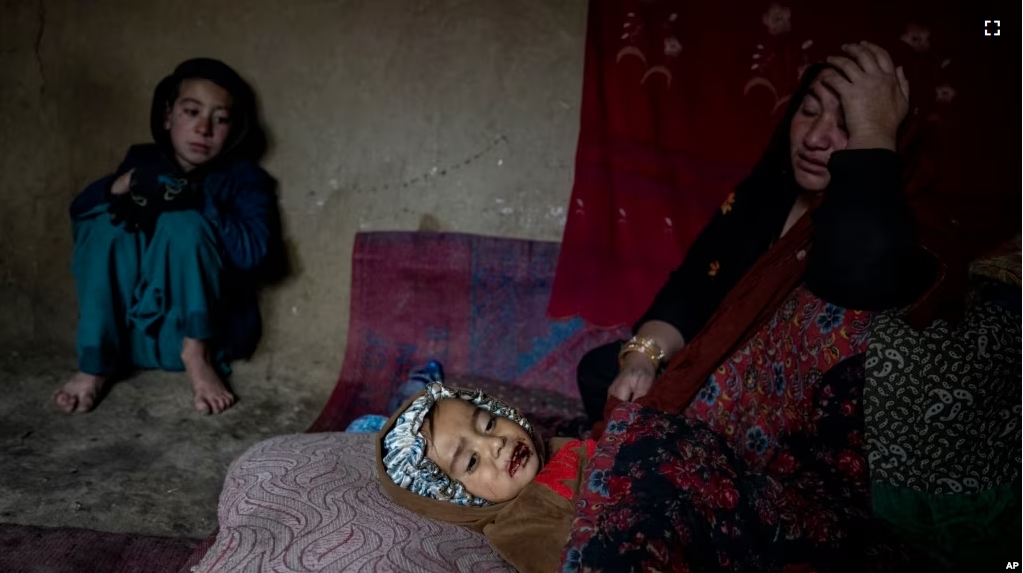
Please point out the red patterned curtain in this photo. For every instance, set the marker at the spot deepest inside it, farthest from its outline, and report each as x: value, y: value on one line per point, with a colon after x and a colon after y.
x: 680, y: 98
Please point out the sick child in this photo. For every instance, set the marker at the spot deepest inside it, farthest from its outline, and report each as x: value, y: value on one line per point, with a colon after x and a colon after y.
x: 168, y: 247
x: 465, y: 458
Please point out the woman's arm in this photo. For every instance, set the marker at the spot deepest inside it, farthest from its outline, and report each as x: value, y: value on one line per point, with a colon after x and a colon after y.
x: 693, y: 291
x: 666, y: 335
x: 865, y: 254
x: 740, y: 232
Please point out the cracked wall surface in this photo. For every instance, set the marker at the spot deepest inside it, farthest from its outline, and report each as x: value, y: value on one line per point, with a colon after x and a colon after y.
x: 383, y: 115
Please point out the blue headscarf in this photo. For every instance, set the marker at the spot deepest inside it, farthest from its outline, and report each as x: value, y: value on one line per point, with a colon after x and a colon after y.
x: 405, y: 447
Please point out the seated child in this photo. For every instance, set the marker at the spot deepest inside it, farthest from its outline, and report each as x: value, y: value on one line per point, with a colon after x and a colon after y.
x: 463, y: 457
x: 169, y: 247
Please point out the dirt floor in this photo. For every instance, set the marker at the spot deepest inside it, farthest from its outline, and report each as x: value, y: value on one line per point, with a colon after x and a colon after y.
x: 144, y: 461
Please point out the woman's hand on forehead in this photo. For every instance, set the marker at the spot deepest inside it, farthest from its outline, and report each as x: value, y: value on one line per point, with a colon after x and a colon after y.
x: 874, y: 94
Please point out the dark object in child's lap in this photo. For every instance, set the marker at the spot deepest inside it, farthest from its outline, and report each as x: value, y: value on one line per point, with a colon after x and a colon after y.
x: 154, y: 191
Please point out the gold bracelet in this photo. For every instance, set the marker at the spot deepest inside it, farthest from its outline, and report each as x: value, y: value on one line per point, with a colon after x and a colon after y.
x: 645, y: 346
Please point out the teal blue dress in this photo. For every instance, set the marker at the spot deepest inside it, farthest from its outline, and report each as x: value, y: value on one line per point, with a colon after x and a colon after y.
x: 195, y: 275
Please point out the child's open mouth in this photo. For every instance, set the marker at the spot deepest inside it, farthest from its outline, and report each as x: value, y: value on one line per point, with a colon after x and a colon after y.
x: 520, y: 455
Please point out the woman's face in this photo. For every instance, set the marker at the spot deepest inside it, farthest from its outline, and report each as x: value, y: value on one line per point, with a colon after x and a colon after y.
x: 817, y: 129
x: 492, y: 456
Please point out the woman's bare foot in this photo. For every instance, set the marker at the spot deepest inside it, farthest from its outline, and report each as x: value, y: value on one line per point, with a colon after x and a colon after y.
x: 211, y: 395
x: 80, y: 394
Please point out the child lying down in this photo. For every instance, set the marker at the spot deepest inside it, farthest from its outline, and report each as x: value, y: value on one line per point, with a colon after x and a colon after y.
x: 465, y: 458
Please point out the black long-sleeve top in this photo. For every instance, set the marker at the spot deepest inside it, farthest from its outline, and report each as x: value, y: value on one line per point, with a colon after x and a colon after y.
x: 864, y: 256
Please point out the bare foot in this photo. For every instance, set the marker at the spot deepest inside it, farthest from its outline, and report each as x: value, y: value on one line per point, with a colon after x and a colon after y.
x: 79, y: 395
x: 211, y: 395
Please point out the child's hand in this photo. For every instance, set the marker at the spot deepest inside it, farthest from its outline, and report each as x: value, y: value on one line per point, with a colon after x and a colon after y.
x: 151, y: 192
x: 122, y: 184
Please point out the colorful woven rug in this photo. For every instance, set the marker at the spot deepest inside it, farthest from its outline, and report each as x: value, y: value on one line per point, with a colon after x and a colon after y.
x: 477, y: 304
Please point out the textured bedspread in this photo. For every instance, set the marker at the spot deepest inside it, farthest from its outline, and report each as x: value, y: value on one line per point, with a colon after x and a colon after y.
x: 311, y: 502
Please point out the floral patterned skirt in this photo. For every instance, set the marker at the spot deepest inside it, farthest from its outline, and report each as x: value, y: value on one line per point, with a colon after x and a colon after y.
x: 669, y: 493
x: 765, y: 389
x: 764, y: 472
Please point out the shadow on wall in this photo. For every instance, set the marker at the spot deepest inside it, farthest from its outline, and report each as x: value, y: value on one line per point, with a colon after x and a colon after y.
x: 279, y: 262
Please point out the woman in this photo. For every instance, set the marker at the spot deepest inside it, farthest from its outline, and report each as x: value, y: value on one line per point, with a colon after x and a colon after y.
x: 836, y: 149
x: 765, y: 469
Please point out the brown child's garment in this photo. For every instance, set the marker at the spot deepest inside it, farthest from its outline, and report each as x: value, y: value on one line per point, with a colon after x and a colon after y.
x: 529, y: 531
